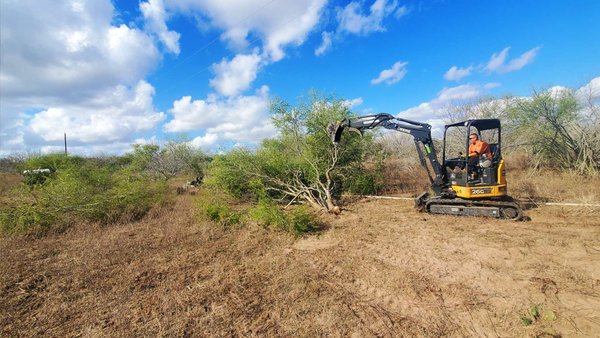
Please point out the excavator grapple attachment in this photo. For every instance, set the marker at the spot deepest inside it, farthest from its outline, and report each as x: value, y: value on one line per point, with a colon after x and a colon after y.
x: 335, y: 131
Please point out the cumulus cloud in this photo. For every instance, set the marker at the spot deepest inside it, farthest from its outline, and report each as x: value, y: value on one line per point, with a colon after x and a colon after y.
x: 591, y: 91
x: 155, y: 16
x: 352, y: 19
x: 205, y: 142
x: 239, y: 118
x: 277, y: 23
x: 64, y: 65
x: 233, y: 77
x: 110, y: 116
x: 52, y: 48
x: 354, y: 102
x: 498, y: 63
x: 433, y: 112
x: 455, y: 73
x: 391, y: 75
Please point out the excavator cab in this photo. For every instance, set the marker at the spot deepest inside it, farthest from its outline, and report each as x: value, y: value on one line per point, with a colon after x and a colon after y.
x: 474, y: 178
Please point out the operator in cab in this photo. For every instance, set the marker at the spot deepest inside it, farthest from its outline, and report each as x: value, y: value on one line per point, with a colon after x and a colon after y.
x: 478, y: 147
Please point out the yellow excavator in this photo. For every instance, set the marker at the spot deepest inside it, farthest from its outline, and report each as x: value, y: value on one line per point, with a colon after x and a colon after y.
x: 461, y: 185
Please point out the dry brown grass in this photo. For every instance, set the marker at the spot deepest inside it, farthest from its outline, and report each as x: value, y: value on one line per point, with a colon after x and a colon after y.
x: 8, y: 181
x: 380, y: 269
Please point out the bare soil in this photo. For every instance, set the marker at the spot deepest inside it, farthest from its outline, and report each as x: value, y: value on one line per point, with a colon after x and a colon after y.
x: 379, y: 269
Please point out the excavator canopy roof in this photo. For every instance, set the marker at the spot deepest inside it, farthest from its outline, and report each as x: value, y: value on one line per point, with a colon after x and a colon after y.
x: 480, y: 124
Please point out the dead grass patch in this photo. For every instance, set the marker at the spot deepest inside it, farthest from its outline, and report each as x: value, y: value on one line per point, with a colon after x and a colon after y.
x: 380, y: 269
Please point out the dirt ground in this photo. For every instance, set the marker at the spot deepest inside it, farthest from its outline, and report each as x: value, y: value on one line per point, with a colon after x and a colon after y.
x: 378, y: 269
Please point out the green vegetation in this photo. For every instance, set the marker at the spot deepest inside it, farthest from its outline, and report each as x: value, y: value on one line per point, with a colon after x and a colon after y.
x: 77, y: 190
x: 269, y: 215
x: 277, y: 180
x: 536, y: 313
x: 302, y: 164
x: 58, y: 190
x: 166, y: 162
x: 215, y: 207
x: 222, y: 209
x: 558, y: 130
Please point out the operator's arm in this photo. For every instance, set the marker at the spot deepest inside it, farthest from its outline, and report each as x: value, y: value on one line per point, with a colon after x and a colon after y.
x: 473, y: 150
x: 480, y: 148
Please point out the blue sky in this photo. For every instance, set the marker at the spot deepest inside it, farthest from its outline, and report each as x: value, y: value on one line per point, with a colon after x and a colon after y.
x: 111, y: 74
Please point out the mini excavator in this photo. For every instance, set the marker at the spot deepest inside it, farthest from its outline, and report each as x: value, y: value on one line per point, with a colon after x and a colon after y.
x: 460, y: 185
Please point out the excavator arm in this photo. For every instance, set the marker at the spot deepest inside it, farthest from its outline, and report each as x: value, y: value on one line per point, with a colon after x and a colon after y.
x: 421, y: 133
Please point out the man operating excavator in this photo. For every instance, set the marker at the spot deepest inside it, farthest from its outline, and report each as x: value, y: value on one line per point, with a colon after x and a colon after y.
x: 477, y: 148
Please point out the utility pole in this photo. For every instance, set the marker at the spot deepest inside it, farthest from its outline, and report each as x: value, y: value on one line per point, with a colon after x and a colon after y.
x: 65, y: 144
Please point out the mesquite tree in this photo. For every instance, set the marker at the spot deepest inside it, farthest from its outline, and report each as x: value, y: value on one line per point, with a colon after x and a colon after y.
x: 302, y: 164
x: 560, y: 127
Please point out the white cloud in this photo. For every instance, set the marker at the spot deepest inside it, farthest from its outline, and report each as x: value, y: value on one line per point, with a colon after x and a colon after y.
x: 458, y: 93
x: 497, y: 60
x: 352, y: 20
x: 498, y: 64
x: 354, y: 102
x: 233, y: 77
x: 523, y: 60
x: 492, y: 85
x: 64, y: 65
x: 325, y: 44
x: 113, y: 148
x: 455, y: 73
x: 205, y: 142
x: 110, y: 116
x: 590, y: 91
x: 64, y: 48
x: 392, y: 75
x: 433, y: 112
x: 155, y: 16
x: 277, y: 23
x: 240, y: 118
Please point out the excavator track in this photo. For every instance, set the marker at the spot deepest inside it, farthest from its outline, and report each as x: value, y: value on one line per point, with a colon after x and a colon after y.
x: 482, y: 208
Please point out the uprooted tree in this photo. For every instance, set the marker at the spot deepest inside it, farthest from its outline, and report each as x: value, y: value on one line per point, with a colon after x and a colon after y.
x: 301, y: 164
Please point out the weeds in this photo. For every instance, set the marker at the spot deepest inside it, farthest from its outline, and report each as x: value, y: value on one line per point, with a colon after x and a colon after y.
x: 297, y: 221
x: 214, y: 207
x: 219, y: 208
x: 536, y: 313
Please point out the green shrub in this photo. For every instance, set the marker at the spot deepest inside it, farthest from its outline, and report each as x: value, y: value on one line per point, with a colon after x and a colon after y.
x: 53, y: 162
x: 268, y: 215
x: 302, y: 220
x: 297, y: 221
x: 230, y: 173
x: 25, y: 218
x: 365, y: 183
x: 129, y: 200
x: 214, y: 207
x: 79, y: 191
